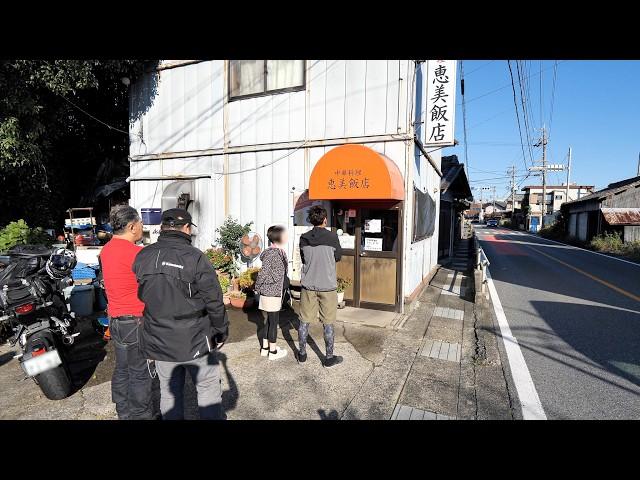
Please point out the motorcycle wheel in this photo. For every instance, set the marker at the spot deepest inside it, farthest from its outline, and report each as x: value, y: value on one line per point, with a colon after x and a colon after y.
x: 55, y: 383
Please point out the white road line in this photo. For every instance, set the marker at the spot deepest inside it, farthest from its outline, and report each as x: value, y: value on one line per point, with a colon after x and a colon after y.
x: 579, y: 248
x: 529, y: 400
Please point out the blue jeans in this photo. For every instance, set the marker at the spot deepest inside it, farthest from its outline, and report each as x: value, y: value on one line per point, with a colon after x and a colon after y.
x: 131, y: 382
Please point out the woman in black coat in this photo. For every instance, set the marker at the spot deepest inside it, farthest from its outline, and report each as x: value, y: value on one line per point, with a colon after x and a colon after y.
x: 271, y: 284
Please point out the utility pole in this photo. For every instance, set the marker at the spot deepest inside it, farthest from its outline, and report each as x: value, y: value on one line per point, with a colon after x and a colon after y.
x: 639, y: 164
x: 513, y: 189
x: 494, y: 200
x: 544, y: 175
x: 569, y: 173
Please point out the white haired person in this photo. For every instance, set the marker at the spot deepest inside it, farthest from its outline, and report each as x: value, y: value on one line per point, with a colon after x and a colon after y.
x: 271, y: 284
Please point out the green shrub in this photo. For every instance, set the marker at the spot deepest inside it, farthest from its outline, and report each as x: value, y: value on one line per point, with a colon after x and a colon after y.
x: 247, y: 279
x: 224, y: 283
x: 229, y: 235
x: 554, y: 231
x: 608, y: 242
x: 18, y: 232
x: 632, y: 250
x: 221, y: 261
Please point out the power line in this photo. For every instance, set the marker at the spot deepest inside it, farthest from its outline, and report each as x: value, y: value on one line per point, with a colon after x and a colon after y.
x: 553, y: 93
x: 541, y: 96
x: 523, y: 101
x: 505, y: 86
x: 498, y: 178
x: 478, y: 68
x: 515, y: 103
x: 92, y: 116
x: 490, y: 118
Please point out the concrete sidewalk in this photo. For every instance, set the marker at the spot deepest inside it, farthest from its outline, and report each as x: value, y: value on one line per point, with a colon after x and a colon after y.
x: 454, y: 374
x: 436, y: 363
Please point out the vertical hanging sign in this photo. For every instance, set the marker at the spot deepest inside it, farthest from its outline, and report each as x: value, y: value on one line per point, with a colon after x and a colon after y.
x: 441, y: 102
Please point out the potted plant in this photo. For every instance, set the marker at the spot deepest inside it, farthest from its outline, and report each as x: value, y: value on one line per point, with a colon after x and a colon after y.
x: 228, y: 240
x: 343, y: 284
x: 239, y: 299
x: 222, y: 261
x: 224, y: 281
x: 247, y: 279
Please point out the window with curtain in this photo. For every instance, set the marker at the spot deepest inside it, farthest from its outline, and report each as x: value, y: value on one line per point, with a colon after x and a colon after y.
x: 262, y: 77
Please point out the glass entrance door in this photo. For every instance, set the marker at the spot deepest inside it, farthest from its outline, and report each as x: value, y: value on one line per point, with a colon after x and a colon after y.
x: 371, y: 241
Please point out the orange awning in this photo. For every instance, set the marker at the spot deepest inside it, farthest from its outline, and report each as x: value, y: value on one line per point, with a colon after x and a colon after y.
x: 352, y: 172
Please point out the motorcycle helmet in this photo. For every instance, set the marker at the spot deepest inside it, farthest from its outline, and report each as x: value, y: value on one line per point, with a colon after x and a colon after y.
x: 60, y: 263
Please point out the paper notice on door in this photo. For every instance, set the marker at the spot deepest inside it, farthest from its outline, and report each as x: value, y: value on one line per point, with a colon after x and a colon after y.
x: 373, y: 244
x: 351, y: 212
x: 347, y: 241
x: 373, y: 225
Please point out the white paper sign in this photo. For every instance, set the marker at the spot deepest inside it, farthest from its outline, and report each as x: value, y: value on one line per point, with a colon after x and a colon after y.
x: 347, y: 241
x: 373, y: 225
x: 441, y: 102
x: 374, y: 244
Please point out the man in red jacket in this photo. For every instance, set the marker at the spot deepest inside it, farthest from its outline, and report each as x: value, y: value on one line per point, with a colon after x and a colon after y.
x: 131, y: 382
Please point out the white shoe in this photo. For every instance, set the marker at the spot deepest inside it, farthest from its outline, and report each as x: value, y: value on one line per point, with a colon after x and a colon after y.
x: 279, y: 354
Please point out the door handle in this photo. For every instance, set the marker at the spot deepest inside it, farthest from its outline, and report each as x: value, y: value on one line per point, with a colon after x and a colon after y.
x: 363, y: 254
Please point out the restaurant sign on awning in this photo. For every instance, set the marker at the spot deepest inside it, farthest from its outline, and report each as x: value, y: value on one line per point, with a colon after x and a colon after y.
x: 441, y: 102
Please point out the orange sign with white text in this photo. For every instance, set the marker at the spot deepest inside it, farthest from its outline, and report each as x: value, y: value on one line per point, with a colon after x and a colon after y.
x: 355, y: 172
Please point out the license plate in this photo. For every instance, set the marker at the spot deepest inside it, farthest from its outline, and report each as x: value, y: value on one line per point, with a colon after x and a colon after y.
x: 36, y: 365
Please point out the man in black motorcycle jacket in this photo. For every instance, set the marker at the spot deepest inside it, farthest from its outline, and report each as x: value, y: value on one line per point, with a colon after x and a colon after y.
x: 185, y: 319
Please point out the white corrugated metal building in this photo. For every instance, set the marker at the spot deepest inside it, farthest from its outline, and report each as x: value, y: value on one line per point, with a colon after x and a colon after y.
x: 243, y: 138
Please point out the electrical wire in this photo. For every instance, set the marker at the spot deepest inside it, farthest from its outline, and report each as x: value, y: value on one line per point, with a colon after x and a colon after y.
x: 515, y: 103
x: 525, y: 113
x: 541, y: 96
x: 252, y: 169
x: 93, y: 116
x: 481, y: 66
x: 553, y: 94
x: 506, y: 179
x: 504, y: 86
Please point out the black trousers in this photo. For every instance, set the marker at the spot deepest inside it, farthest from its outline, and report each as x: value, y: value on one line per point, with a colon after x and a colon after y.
x: 271, y: 326
x: 131, y: 382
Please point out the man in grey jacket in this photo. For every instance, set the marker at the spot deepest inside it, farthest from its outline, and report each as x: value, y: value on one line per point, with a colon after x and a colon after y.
x: 320, y: 250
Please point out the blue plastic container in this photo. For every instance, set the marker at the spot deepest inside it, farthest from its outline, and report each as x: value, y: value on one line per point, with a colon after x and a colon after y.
x: 151, y: 216
x: 82, y: 300
x: 83, y: 271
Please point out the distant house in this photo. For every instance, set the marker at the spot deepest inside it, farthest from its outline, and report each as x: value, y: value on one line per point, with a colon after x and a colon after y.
x: 474, y: 212
x: 517, y: 202
x: 455, y: 198
x: 612, y: 209
x: 556, y: 196
x: 495, y: 209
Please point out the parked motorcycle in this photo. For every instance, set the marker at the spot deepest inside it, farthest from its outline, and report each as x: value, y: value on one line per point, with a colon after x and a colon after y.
x: 34, y: 314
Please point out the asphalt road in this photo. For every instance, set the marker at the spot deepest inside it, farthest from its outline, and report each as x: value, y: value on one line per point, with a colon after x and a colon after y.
x: 576, y: 316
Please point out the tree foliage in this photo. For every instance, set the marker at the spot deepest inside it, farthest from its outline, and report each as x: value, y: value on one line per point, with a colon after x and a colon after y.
x: 50, y: 150
x: 19, y: 233
x: 229, y: 235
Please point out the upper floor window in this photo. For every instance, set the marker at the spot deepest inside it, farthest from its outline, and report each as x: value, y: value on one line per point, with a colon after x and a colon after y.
x: 250, y: 78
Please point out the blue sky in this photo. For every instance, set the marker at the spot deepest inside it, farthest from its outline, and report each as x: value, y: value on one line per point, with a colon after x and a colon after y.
x: 596, y: 111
